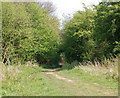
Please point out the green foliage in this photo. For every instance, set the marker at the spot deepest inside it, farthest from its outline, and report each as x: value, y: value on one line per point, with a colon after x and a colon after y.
x: 15, y: 21
x: 77, y: 36
x: 68, y: 66
x: 92, y: 34
x: 107, y: 24
x: 29, y: 34
x: 45, y: 41
x: 117, y: 47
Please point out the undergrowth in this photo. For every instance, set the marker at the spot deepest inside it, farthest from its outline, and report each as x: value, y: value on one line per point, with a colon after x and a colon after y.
x: 107, y: 68
x: 32, y: 80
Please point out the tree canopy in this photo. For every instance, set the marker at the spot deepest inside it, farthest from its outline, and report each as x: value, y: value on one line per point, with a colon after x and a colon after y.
x: 93, y: 33
x: 29, y: 33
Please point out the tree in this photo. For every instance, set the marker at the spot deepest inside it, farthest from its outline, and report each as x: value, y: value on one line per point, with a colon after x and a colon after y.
x: 45, y: 41
x: 107, y: 24
x: 48, y: 6
x: 29, y: 34
x: 77, y: 36
x: 15, y: 20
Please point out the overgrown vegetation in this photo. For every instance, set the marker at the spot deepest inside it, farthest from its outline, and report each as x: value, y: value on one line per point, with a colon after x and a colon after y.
x: 32, y: 80
x: 29, y: 33
x: 107, y: 70
x: 87, y: 48
x: 93, y: 33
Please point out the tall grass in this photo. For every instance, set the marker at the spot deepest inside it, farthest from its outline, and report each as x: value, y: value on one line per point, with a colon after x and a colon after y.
x: 8, y: 72
x: 107, y: 69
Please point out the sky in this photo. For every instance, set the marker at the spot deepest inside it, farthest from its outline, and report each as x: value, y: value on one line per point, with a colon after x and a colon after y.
x: 65, y: 7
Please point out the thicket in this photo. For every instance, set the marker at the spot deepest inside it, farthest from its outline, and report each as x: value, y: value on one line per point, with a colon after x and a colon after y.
x: 93, y: 33
x: 29, y: 33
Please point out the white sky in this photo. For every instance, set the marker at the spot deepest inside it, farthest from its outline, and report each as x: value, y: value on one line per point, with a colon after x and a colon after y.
x: 70, y: 6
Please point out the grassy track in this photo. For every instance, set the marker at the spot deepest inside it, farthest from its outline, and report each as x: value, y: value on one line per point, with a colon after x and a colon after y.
x: 33, y: 81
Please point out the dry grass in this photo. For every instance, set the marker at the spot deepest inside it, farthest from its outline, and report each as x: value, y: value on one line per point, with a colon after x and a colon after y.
x: 107, y: 69
x: 8, y: 72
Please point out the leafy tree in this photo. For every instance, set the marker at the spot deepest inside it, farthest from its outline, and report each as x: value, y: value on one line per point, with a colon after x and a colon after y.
x: 45, y: 41
x: 107, y: 24
x: 92, y: 34
x: 15, y: 20
x: 29, y: 34
x: 77, y: 36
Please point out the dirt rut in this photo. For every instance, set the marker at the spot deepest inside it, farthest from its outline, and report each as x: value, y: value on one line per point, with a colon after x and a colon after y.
x: 57, y: 76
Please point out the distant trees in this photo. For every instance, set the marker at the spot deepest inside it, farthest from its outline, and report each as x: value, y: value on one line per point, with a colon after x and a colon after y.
x: 93, y: 34
x: 48, y: 6
x: 29, y: 33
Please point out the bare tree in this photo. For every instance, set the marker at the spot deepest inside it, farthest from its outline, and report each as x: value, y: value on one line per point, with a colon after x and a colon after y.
x: 48, y: 6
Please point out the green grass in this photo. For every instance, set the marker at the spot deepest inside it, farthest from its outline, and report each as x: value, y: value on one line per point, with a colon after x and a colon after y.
x: 32, y: 81
x: 79, y: 75
x: 91, y: 85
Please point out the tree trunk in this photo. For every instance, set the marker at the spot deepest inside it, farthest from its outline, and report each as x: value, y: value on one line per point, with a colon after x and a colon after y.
x: 119, y: 60
x: 8, y: 60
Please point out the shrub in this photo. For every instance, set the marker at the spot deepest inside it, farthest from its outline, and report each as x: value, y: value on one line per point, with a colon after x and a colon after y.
x: 70, y: 66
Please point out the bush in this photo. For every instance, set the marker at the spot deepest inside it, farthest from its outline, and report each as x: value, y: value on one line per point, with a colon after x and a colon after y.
x: 70, y: 66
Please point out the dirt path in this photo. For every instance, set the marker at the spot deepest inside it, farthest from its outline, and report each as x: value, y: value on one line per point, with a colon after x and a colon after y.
x: 76, y: 86
x: 57, y: 76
